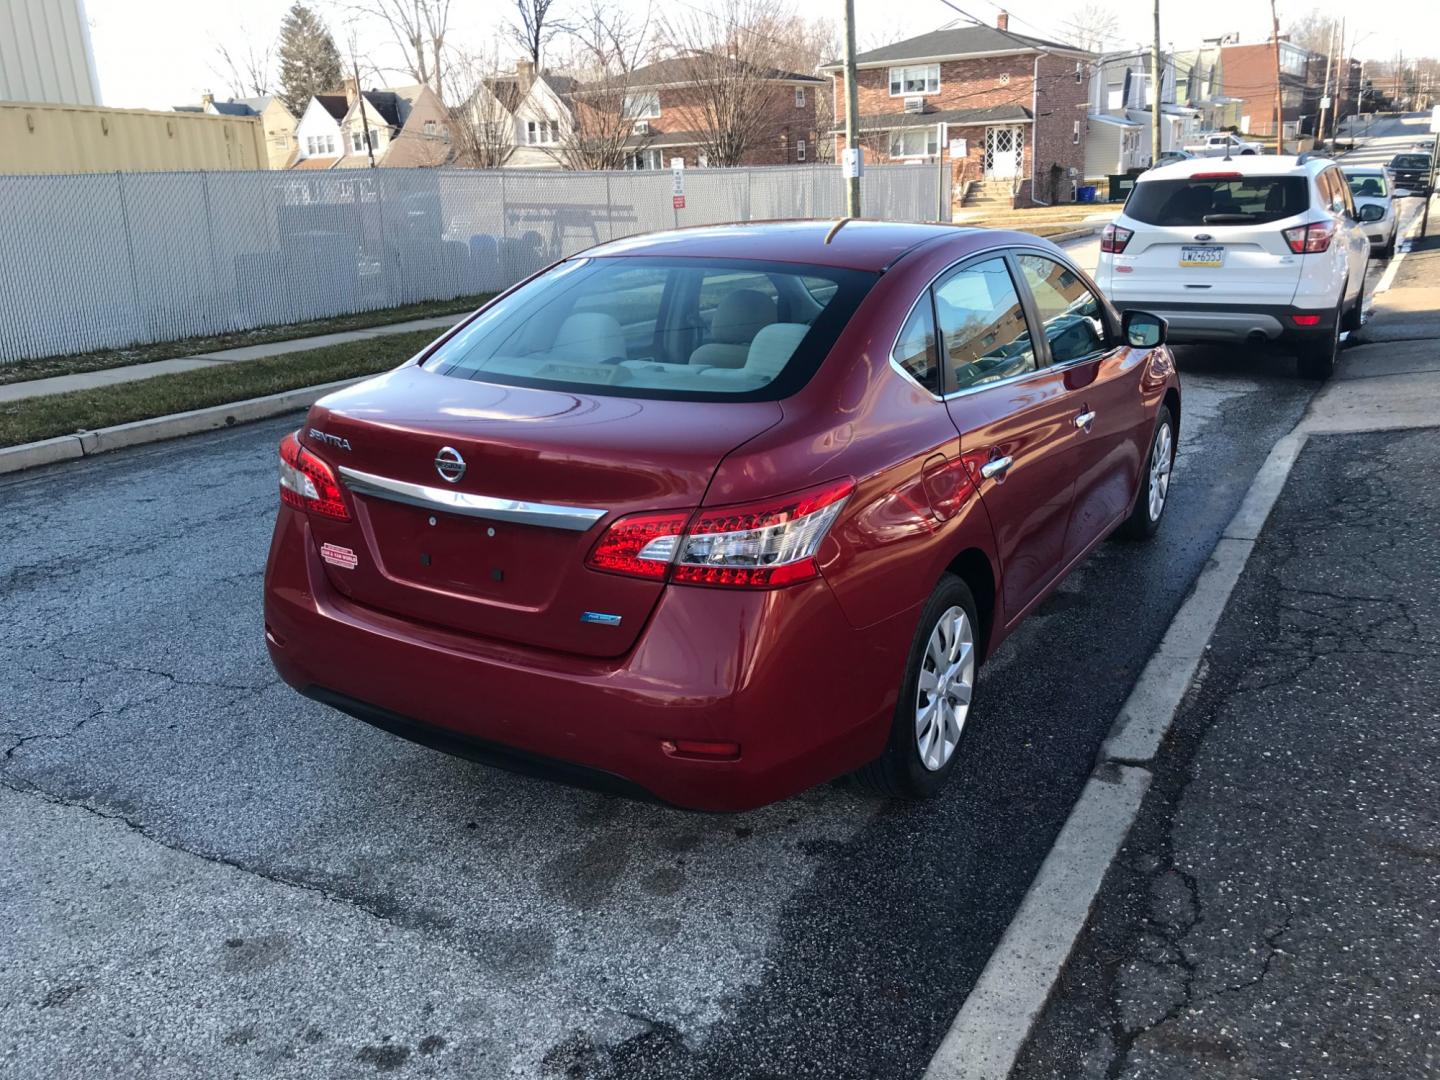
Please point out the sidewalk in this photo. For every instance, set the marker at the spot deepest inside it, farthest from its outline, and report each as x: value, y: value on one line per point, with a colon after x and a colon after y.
x: 109, y: 376
x: 1274, y: 911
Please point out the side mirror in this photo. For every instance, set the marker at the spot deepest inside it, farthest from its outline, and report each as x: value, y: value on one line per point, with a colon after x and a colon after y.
x: 1371, y: 212
x: 1143, y: 330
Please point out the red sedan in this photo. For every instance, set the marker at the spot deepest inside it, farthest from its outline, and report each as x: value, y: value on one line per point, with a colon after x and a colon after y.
x: 716, y: 515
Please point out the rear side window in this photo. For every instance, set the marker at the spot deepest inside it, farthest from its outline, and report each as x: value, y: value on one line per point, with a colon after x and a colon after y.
x: 982, y: 325
x: 1237, y: 200
x: 652, y: 327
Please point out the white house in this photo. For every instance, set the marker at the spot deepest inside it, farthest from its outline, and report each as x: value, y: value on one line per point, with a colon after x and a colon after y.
x: 543, y: 119
x: 321, y: 142
x: 1118, y: 134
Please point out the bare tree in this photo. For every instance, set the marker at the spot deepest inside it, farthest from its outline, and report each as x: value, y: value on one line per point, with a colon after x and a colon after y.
x: 730, y: 56
x: 418, y: 28
x: 1313, y: 31
x: 611, y: 38
x: 534, y: 27
x: 1094, y: 28
x: 600, y: 134
x: 484, y: 116
x: 245, y: 66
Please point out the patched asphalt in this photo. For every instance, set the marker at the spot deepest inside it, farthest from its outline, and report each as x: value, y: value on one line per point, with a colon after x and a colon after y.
x: 205, y: 874
x: 1276, y: 910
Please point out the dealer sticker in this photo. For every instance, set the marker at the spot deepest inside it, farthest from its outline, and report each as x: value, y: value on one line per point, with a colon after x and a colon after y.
x: 336, y: 555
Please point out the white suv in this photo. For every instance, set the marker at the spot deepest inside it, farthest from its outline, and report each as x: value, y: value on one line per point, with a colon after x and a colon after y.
x: 1248, y: 249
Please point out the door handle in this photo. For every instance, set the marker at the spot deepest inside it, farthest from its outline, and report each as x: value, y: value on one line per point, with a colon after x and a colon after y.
x: 996, y: 466
x: 1085, y: 419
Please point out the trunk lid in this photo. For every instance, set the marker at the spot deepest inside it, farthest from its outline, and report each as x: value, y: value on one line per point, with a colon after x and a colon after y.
x: 545, y: 472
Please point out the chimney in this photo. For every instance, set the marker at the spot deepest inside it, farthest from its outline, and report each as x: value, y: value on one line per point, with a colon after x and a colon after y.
x: 1002, y: 21
x: 207, y: 99
x: 525, y: 73
x: 352, y: 90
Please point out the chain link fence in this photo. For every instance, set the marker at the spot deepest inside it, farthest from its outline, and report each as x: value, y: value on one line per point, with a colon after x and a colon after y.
x: 108, y: 260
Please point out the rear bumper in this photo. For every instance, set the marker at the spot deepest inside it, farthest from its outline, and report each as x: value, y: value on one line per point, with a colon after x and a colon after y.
x: 782, y: 673
x: 1234, y: 323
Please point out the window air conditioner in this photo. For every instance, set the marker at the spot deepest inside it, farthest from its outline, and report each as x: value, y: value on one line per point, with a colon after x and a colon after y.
x: 914, y: 104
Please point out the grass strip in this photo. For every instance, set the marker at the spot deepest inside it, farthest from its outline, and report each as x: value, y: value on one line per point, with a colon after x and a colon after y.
x: 45, y: 417
x: 75, y: 364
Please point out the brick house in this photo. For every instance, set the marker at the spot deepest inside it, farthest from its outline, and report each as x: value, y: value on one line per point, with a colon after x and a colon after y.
x: 1017, y: 102
x: 1248, y: 73
x: 668, y: 112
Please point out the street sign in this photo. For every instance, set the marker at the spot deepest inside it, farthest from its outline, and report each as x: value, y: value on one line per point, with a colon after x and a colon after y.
x: 852, y: 163
x: 1325, y: 102
x: 677, y: 170
x: 958, y: 148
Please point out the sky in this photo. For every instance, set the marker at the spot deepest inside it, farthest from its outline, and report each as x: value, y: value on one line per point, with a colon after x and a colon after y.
x: 159, y: 53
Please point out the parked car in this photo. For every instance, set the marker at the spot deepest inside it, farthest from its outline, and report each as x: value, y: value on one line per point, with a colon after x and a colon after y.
x: 1423, y: 144
x: 719, y: 514
x: 1255, y: 249
x: 1170, y: 156
x: 1370, y: 186
x: 1223, y: 144
x: 1410, y: 174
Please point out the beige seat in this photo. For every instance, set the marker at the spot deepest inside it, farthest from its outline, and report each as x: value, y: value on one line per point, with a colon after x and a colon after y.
x: 737, y: 319
x: 765, y: 359
x: 588, y: 338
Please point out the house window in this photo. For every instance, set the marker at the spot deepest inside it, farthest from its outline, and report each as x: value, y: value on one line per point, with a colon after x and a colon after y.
x: 357, y: 141
x: 703, y: 161
x: 542, y: 132
x: 642, y: 106
x: 915, y: 143
x: 919, y: 79
x: 1075, y: 138
x: 431, y: 129
x: 799, y: 149
x: 799, y: 97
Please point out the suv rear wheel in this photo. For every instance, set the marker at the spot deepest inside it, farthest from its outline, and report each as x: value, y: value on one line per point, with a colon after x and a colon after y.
x: 1315, y: 359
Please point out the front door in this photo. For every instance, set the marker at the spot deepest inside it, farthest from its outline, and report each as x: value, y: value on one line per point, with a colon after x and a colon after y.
x: 1003, y: 146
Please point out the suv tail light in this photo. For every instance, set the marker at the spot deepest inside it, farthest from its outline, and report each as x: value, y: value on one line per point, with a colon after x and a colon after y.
x: 307, y: 483
x: 1113, y: 238
x: 759, y: 545
x: 1310, y: 239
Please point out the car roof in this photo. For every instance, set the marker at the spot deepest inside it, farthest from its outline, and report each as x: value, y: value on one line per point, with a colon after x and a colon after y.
x: 1244, y: 165
x: 853, y: 244
x: 1363, y: 170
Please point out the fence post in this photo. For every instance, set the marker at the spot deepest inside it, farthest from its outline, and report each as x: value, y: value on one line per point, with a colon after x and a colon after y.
x: 749, y: 193
x: 215, y: 287
x: 506, y: 280
x: 385, y: 261
x: 609, y: 210
x: 130, y: 254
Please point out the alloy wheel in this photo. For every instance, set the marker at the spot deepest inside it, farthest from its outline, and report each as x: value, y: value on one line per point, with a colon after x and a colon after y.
x: 1162, y: 460
x: 942, y: 696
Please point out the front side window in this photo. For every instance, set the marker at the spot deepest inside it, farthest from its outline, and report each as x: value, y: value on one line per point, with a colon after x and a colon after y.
x: 982, y: 325
x: 1237, y: 200
x: 642, y: 106
x: 915, y: 347
x: 1072, y: 315
x: 917, y: 79
x: 684, y: 329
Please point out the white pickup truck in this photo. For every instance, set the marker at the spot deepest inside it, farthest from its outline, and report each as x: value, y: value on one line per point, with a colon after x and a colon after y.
x: 1218, y: 144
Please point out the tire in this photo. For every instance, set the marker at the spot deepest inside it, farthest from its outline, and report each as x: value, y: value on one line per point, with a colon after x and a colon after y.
x: 1149, y: 508
x: 1388, y: 251
x: 1316, y: 359
x: 1353, y: 320
x: 912, y: 766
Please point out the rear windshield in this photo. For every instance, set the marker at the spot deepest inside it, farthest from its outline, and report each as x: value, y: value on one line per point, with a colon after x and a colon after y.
x: 1370, y: 186
x: 657, y: 327
x: 1240, y: 200
x: 1410, y: 161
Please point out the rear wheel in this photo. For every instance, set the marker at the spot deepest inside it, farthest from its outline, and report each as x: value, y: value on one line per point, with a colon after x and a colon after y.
x: 933, y: 713
x: 1316, y: 359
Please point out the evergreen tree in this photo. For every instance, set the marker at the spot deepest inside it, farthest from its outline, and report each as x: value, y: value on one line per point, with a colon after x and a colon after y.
x: 309, y: 61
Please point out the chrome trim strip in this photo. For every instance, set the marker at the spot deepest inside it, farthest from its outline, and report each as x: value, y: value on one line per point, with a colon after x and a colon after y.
x: 574, y: 518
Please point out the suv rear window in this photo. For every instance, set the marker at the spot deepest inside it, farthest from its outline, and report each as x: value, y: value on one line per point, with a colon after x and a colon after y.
x: 1238, y: 200
x: 660, y: 327
x: 1368, y: 185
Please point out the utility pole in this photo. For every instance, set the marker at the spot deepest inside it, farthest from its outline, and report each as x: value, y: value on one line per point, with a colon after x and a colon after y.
x: 364, y: 120
x: 1155, y: 147
x: 1325, y: 99
x: 852, y: 109
x: 1279, y: 90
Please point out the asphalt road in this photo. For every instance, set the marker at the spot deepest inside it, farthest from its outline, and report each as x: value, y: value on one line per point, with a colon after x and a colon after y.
x: 206, y: 874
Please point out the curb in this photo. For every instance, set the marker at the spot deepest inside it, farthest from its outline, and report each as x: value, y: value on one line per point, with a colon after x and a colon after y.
x: 157, y: 429
x: 992, y: 1027
x: 1073, y: 234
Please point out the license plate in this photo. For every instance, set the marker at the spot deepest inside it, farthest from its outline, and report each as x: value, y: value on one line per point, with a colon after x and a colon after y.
x: 1202, y: 256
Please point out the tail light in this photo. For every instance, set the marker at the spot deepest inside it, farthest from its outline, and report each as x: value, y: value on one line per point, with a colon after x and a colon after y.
x: 1310, y: 239
x: 307, y: 483
x: 756, y: 545
x: 1113, y: 238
